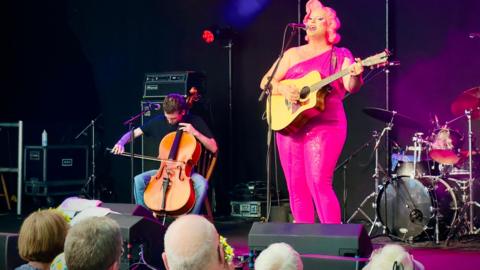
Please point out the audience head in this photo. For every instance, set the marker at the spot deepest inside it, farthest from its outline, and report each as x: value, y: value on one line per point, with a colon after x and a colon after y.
x: 279, y: 256
x: 192, y: 242
x: 392, y: 255
x: 42, y: 236
x: 94, y: 244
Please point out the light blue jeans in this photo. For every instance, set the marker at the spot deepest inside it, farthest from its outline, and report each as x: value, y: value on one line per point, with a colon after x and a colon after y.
x: 200, y: 185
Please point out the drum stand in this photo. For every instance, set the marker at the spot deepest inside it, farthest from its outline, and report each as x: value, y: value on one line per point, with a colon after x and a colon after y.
x: 376, y: 176
x: 467, y: 199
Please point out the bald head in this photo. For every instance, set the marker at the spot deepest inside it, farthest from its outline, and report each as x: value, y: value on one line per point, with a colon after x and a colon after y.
x: 191, y: 242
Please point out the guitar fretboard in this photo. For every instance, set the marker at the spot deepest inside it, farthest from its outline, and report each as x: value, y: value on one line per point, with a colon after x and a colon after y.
x: 329, y: 79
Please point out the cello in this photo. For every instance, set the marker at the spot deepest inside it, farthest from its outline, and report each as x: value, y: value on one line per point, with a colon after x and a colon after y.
x: 170, y: 191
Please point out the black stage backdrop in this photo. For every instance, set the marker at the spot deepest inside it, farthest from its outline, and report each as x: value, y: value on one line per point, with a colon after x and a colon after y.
x: 66, y: 62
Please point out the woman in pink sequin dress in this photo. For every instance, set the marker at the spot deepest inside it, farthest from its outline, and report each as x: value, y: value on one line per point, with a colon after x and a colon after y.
x: 309, y: 156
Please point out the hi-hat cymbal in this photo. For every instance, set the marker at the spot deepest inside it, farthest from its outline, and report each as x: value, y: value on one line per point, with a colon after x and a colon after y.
x: 467, y: 100
x: 386, y: 116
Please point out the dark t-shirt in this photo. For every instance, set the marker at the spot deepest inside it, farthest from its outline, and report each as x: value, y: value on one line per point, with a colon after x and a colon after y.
x: 158, y: 126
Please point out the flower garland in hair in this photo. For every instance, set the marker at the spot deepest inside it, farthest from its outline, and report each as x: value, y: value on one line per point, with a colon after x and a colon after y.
x: 227, y: 249
x: 62, y: 213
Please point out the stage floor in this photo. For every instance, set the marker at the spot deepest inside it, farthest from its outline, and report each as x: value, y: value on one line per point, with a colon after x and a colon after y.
x: 459, y: 255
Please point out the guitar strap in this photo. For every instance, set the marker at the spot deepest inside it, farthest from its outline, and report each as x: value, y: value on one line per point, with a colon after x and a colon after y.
x: 333, y: 61
x: 333, y: 65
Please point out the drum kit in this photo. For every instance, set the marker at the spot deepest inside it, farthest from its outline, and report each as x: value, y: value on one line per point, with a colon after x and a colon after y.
x: 429, y: 195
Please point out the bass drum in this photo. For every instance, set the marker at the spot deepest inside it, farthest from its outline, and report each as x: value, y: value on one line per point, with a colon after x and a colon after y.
x: 406, y: 206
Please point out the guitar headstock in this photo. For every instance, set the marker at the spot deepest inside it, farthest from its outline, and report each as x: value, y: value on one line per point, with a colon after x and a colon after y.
x: 377, y: 59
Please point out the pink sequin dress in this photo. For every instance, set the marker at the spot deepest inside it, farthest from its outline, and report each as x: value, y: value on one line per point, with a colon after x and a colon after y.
x: 309, y: 156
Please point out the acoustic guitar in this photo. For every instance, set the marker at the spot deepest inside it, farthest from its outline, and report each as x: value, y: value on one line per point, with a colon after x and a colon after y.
x: 287, y: 117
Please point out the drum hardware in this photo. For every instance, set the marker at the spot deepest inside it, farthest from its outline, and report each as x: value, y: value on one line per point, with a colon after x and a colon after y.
x: 390, y: 118
x: 344, y: 165
x: 467, y: 104
x: 417, y: 153
x: 376, y: 176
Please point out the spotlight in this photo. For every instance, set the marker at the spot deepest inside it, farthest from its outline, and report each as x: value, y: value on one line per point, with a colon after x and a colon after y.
x: 215, y: 33
x: 208, y: 36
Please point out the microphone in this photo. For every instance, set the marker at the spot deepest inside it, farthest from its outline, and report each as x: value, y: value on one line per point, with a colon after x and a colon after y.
x: 387, y: 64
x: 474, y: 35
x: 298, y: 26
x: 393, y: 63
x: 150, y: 106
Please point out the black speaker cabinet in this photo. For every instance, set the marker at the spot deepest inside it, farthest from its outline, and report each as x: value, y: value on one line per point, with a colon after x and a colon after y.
x: 139, y: 234
x: 149, y: 144
x: 9, y: 258
x: 159, y: 85
x: 339, y: 245
x: 56, y: 163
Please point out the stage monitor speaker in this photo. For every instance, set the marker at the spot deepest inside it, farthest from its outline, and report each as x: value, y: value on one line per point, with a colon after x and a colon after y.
x: 140, y: 235
x: 128, y: 209
x: 337, y: 244
x: 9, y: 258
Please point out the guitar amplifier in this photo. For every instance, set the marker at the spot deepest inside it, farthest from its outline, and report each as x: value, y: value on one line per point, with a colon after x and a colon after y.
x: 56, y: 163
x: 159, y: 85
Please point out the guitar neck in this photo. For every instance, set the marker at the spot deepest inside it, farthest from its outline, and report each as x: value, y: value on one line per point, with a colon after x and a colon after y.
x: 329, y: 79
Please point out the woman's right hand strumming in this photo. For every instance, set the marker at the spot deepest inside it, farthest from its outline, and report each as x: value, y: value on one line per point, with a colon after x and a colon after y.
x: 290, y: 92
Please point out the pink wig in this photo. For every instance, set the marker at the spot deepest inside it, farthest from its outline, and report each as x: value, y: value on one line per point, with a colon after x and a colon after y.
x: 333, y: 23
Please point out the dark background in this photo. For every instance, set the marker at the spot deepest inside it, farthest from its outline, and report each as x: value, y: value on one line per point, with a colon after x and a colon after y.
x: 65, y: 62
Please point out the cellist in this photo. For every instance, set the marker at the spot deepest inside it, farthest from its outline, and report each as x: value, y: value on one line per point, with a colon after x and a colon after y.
x: 175, y: 116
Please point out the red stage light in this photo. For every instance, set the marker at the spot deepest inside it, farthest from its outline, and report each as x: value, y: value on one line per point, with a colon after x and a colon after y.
x: 208, y: 36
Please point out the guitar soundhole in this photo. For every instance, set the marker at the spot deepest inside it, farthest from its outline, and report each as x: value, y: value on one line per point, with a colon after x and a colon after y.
x: 304, y: 92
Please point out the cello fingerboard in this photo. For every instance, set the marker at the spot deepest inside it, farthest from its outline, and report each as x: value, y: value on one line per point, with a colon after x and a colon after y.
x: 176, y: 142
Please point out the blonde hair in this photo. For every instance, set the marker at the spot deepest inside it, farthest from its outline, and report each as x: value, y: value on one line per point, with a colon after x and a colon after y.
x: 386, y: 257
x: 333, y: 23
x: 42, y: 236
x: 93, y: 243
x: 279, y: 256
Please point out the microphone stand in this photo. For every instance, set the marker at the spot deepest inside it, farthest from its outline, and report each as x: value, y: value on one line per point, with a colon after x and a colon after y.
x: 267, y: 91
x: 129, y: 123
x: 92, y: 178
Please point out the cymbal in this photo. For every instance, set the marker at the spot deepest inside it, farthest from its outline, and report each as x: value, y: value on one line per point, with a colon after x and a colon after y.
x: 467, y: 100
x: 386, y: 116
x: 444, y: 156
